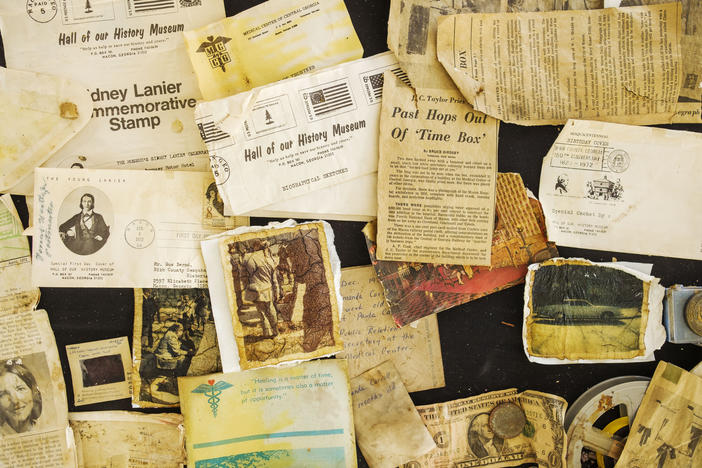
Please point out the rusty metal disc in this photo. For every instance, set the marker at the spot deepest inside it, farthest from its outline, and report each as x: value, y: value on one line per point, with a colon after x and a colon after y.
x: 507, y: 420
x: 693, y: 313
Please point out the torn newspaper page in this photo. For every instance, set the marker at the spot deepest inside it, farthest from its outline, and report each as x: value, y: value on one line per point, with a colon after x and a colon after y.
x: 388, y: 428
x: 371, y: 337
x: 34, y: 430
x: 496, y: 429
x: 16, y: 291
x: 128, y: 439
x: 577, y: 311
x: 597, y: 193
x: 132, y: 55
x: 174, y: 336
x: 688, y: 107
x: 296, y: 416
x: 294, y: 137
x: 227, y: 55
x: 667, y: 429
x: 38, y: 114
x: 415, y: 290
x: 112, y: 228
x: 546, y: 67
x: 100, y: 370
x: 436, y: 179
x: 517, y: 6
x: 275, y: 293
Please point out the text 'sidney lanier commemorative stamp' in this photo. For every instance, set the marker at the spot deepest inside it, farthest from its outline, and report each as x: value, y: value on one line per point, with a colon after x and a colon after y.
x: 108, y: 228
x: 174, y: 336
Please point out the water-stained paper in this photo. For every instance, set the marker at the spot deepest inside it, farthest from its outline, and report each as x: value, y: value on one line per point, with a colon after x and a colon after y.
x: 293, y: 416
x: 577, y: 311
x: 597, y: 191
x: 388, y: 428
x: 543, y: 68
x: 370, y: 335
x: 227, y: 55
x: 109, y: 228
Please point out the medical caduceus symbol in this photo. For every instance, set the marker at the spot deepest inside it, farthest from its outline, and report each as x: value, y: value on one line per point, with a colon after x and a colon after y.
x: 212, y: 390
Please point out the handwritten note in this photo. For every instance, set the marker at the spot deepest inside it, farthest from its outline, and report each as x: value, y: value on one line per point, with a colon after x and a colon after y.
x: 371, y: 337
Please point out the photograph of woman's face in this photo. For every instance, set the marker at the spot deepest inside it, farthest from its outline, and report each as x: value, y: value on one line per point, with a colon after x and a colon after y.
x: 16, y: 402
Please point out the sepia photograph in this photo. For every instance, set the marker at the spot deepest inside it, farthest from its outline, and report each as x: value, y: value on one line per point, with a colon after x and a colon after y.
x: 102, y: 370
x: 174, y: 336
x: 86, y: 231
x: 282, y: 296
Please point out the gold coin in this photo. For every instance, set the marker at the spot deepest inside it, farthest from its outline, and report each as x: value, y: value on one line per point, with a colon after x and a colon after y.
x: 507, y: 420
x: 693, y: 313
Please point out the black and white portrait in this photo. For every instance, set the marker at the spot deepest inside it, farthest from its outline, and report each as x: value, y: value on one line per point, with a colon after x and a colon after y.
x: 85, y: 218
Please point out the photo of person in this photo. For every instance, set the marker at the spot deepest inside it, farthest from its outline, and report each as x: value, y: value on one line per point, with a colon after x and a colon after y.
x: 481, y: 439
x: 85, y: 232
x: 20, y: 398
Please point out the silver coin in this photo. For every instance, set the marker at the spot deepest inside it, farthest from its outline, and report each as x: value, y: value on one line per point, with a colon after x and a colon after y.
x: 693, y: 313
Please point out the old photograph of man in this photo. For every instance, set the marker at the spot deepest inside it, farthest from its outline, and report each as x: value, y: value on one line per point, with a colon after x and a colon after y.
x: 85, y: 232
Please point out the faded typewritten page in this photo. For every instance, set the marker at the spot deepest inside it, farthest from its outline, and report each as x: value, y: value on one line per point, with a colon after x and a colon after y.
x: 436, y: 178
x: 542, y: 68
x: 111, y: 228
x: 388, y: 427
x: 16, y: 291
x: 35, y: 432
x: 132, y: 57
x: 370, y: 335
x: 227, y: 55
x: 128, y: 439
x: 668, y: 425
x: 597, y: 193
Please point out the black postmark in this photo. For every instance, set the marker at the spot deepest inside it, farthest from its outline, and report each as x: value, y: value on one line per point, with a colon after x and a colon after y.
x: 139, y: 234
x: 220, y: 169
x: 42, y: 11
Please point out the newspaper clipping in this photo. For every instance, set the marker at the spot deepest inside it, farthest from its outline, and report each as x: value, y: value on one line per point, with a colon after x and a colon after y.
x: 34, y: 430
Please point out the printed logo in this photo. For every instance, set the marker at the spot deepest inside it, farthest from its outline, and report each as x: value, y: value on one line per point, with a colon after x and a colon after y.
x: 618, y: 160
x: 216, y: 51
x: 212, y: 390
x: 42, y: 11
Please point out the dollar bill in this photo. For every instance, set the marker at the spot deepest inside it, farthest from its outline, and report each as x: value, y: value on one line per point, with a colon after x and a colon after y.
x: 466, y: 433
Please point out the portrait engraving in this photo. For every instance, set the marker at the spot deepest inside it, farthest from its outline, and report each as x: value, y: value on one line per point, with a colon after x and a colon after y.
x: 88, y: 230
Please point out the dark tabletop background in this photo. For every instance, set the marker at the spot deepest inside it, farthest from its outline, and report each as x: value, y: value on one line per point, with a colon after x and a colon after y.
x: 480, y: 353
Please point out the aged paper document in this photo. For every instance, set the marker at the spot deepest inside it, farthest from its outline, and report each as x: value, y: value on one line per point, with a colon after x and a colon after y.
x: 132, y: 55
x: 546, y: 67
x: 436, y: 178
x: 100, y: 370
x: 577, y: 311
x: 496, y: 429
x: 292, y: 416
x: 370, y: 335
x: 519, y: 238
x: 227, y: 55
x: 16, y: 291
x: 38, y: 114
x: 667, y: 429
x: 388, y: 427
x: 174, y: 336
x: 597, y: 193
x: 34, y: 430
x: 122, y: 439
x: 110, y: 228
x: 300, y: 135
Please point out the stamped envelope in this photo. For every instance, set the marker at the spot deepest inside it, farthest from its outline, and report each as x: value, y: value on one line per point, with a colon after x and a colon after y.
x: 126, y: 229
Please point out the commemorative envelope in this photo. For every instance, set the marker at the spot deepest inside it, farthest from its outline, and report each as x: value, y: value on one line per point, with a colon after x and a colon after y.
x: 295, y: 137
x: 128, y: 229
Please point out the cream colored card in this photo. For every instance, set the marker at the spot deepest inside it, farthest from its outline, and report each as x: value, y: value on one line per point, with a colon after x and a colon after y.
x: 543, y: 68
x: 577, y: 311
x: 34, y: 427
x: 293, y: 416
x: 668, y: 424
x: 495, y: 430
x: 389, y: 430
x: 108, y: 228
x: 227, y: 55
x: 295, y: 137
x: 436, y: 178
x: 128, y: 439
x: 597, y: 191
x: 132, y: 57
x: 38, y: 114
x: 16, y: 291
x: 100, y: 370
x: 370, y: 335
